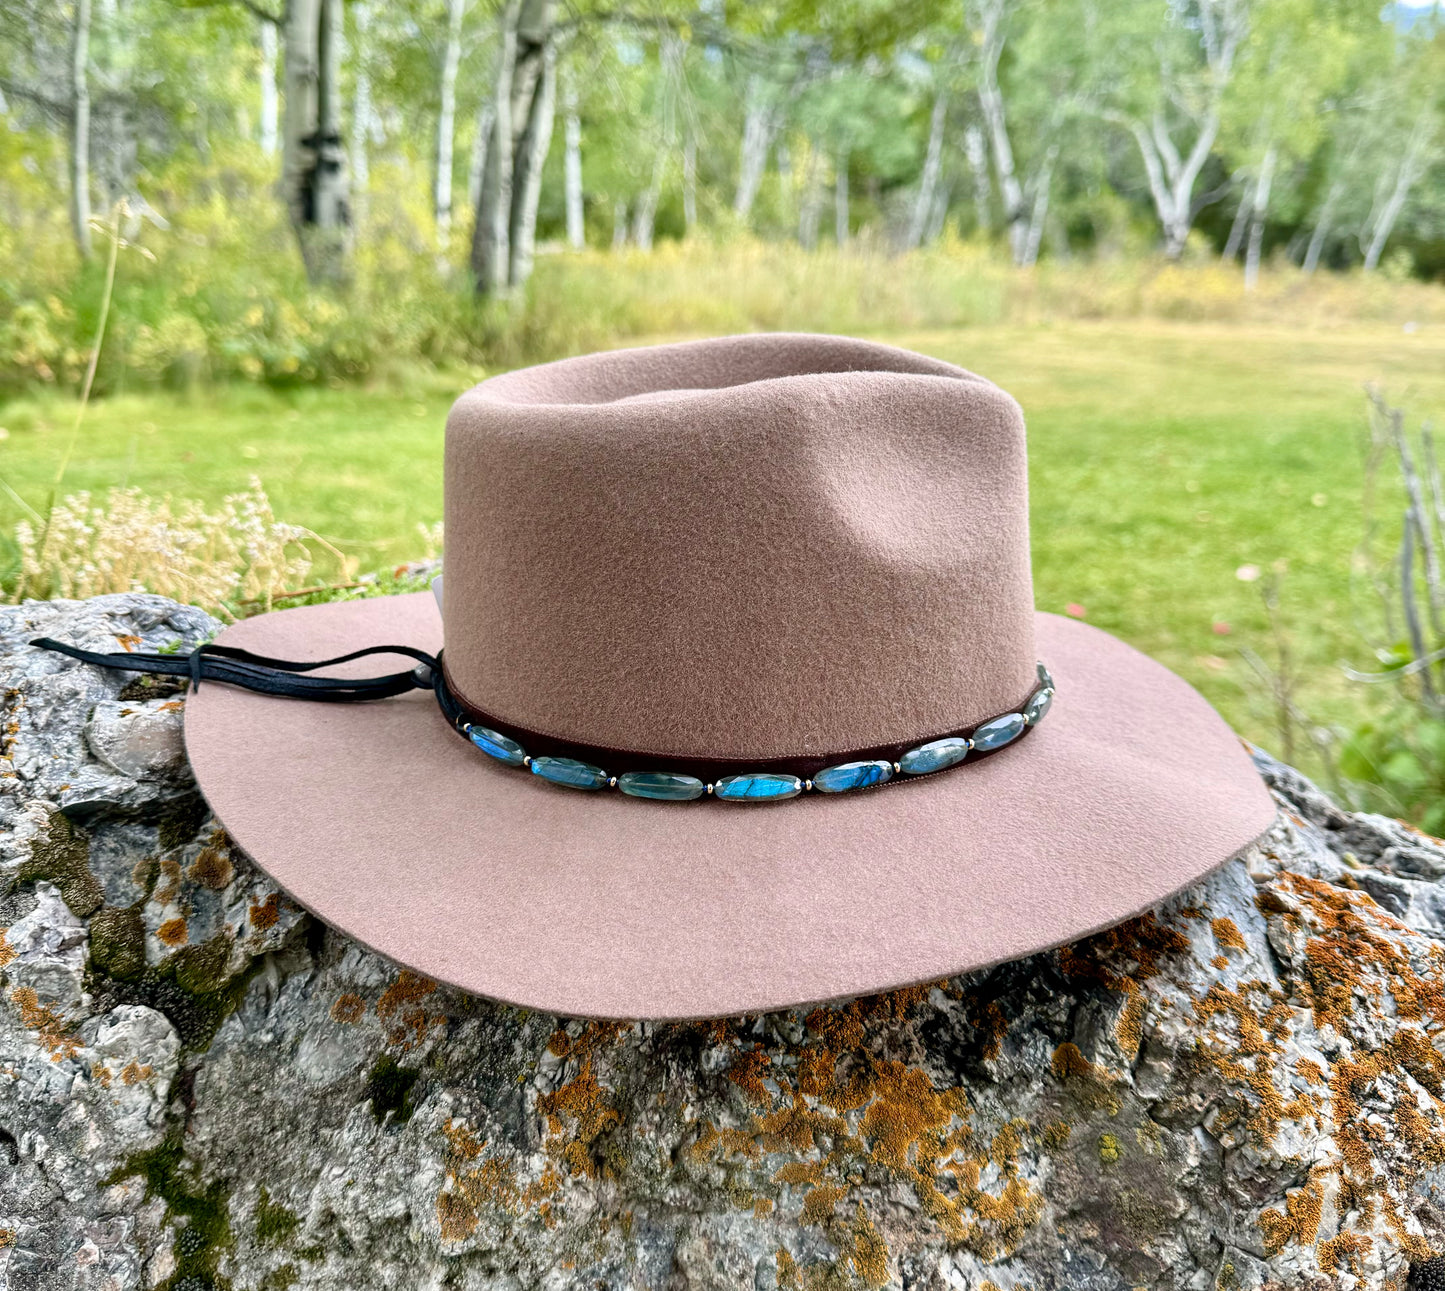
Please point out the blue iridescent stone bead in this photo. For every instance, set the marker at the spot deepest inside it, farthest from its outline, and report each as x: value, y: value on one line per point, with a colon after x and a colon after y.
x: 852, y: 775
x: 570, y: 772
x: 496, y: 745
x: 758, y: 786
x: 1002, y: 730
x: 934, y: 756
x: 663, y: 785
x: 1045, y: 680
x: 1038, y: 705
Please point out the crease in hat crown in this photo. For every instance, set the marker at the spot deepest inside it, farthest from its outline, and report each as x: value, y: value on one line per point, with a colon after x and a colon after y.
x: 760, y: 546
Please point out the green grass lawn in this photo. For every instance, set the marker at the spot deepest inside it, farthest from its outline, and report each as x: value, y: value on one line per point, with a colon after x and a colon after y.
x: 1163, y: 457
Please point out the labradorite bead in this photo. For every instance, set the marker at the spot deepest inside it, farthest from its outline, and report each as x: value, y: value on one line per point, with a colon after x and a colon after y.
x: 934, y: 756
x: 1038, y: 705
x: 570, y: 772
x: 852, y: 775
x: 758, y: 786
x: 664, y: 785
x: 1046, y: 681
x: 1002, y: 730
x: 496, y: 745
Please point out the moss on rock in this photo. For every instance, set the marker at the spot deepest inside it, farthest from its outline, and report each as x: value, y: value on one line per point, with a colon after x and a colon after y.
x: 62, y: 855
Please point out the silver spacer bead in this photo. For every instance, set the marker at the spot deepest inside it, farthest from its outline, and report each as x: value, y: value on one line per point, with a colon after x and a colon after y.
x: 807, y: 784
x: 526, y: 760
x: 612, y: 782
x: 466, y: 728
x: 709, y: 788
x: 969, y: 742
x: 897, y: 768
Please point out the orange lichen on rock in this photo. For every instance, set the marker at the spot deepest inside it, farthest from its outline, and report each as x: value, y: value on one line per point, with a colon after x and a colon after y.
x: 7, y: 951
x: 173, y: 933
x: 52, y: 1035
x: 401, y: 1010
x: 1347, y: 1249
x: 1069, y: 1063
x: 1299, y: 1222
x: 1227, y: 934
x: 348, y: 1009
x: 584, y: 1110
x: 212, y: 868
x: 474, y: 1183
x: 264, y: 914
x: 746, y: 1073
x: 134, y: 1072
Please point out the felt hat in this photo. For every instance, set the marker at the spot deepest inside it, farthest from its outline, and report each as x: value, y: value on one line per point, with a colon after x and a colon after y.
x: 733, y: 577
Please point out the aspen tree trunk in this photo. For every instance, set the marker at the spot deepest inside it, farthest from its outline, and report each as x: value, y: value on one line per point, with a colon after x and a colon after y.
x: 1321, y: 232
x: 447, y: 124
x: 491, y: 236
x: 361, y: 111
x: 975, y: 151
x: 644, y: 212
x: 80, y: 128
x: 486, y: 114
x: 524, y: 103
x: 758, y: 129
x: 619, y: 224
x: 537, y: 75
x: 270, y: 99
x: 314, y: 173
x: 1039, y: 208
x: 932, y: 166
x: 842, y: 219
x: 1259, y: 207
x: 1238, y: 225
x: 1408, y: 171
x: 689, y: 180
x: 572, y: 171
x: 810, y: 212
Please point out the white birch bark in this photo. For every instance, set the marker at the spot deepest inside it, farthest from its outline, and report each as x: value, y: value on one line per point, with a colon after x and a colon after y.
x: 362, y: 112
x: 572, y: 171
x: 1259, y: 208
x: 447, y: 123
x: 491, y: 236
x: 1323, y: 223
x: 975, y: 152
x: 1240, y: 222
x: 486, y: 114
x: 270, y: 99
x: 759, y: 127
x: 644, y: 211
x: 689, y: 180
x: 314, y: 176
x: 80, y: 127
x: 1221, y: 26
x: 619, y: 224
x: 932, y: 167
x: 1409, y: 169
x: 1039, y: 207
x: 990, y: 15
x: 810, y: 211
x: 534, y: 104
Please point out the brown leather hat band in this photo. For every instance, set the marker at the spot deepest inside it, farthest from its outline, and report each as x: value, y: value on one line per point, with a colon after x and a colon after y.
x: 638, y: 773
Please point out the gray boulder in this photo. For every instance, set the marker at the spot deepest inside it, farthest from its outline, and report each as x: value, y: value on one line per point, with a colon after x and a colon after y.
x: 201, y: 1086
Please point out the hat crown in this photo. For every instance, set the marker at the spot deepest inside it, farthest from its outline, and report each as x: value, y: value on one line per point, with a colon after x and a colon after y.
x: 762, y: 546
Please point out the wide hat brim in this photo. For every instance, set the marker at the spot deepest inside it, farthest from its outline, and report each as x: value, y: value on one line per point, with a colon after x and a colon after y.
x: 379, y: 819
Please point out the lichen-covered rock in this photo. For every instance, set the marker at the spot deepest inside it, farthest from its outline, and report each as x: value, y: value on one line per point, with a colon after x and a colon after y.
x: 200, y: 1086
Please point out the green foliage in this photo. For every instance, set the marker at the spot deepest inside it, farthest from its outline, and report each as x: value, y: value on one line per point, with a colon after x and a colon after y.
x: 1398, y: 763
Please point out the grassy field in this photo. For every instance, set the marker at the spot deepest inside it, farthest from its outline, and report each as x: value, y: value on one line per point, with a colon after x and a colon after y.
x: 1164, y: 456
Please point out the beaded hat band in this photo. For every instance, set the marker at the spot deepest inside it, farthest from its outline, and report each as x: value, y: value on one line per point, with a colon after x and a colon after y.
x: 576, y: 766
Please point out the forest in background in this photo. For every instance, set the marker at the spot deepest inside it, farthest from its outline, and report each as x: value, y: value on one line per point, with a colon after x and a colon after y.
x: 298, y: 189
